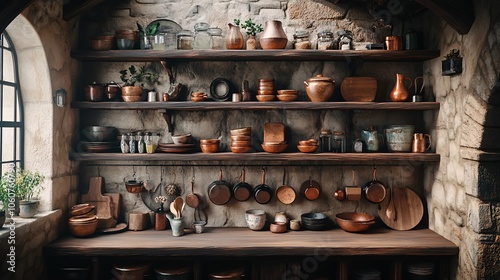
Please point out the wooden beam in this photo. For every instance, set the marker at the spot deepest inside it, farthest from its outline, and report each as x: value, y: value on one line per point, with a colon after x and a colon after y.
x: 76, y: 7
x: 10, y: 10
x: 458, y: 13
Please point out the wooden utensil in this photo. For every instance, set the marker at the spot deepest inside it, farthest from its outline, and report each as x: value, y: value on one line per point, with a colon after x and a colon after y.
x: 116, y: 201
x: 179, y: 205
x: 102, y: 203
x: 407, y: 205
x: 274, y: 132
x: 359, y: 89
x: 391, y: 210
x: 173, y: 210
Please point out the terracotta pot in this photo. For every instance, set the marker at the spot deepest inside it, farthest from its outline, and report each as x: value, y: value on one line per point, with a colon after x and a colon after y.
x: 274, y: 36
x: 252, y: 43
x: 319, y: 88
x: 234, y: 38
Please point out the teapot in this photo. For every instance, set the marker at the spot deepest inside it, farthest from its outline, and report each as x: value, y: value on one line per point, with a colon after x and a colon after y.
x: 373, y: 141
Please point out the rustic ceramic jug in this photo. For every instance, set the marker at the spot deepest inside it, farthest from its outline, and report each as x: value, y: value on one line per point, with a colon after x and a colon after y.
x: 372, y: 139
x: 234, y: 38
x: 418, y: 145
x: 400, y: 92
x: 274, y: 36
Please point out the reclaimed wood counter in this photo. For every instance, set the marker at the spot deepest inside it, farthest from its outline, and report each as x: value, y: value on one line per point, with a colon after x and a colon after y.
x: 246, y: 243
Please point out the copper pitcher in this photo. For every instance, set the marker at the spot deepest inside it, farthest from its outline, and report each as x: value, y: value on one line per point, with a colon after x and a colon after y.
x: 400, y: 92
x: 234, y: 39
x: 418, y: 145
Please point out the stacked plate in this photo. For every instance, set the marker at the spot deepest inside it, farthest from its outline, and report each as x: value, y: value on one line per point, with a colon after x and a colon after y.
x: 266, y: 90
x: 367, y: 274
x: 176, y: 148
x: 288, y: 95
x: 421, y: 270
x: 241, y: 139
x: 101, y: 139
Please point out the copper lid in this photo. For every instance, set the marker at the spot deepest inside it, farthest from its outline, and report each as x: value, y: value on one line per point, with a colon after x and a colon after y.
x: 320, y: 78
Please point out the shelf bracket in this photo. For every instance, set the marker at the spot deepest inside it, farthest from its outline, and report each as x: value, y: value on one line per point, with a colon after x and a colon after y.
x: 167, y: 118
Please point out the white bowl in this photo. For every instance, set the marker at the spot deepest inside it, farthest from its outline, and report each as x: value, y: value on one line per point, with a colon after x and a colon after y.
x: 181, y: 138
x: 256, y: 219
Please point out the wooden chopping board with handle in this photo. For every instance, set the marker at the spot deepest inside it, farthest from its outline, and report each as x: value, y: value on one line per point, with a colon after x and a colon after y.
x: 102, y: 203
x: 359, y: 89
x: 274, y: 132
x: 408, y: 207
x: 116, y: 204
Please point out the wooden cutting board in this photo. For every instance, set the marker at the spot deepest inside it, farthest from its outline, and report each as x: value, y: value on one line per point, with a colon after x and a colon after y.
x: 116, y: 204
x: 409, y: 209
x: 359, y: 89
x: 274, y: 132
x: 94, y: 197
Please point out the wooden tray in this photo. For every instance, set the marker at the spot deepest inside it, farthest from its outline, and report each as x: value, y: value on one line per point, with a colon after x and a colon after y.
x: 409, y: 209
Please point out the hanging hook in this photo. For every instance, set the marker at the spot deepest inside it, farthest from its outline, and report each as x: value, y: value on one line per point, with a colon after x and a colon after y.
x: 133, y: 171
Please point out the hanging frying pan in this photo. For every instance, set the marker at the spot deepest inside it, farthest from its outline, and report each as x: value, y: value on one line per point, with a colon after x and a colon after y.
x: 192, y: 199
x: 374, y: 190
x: 263, y: 192
x: 242, y: 191
x: 219, y: 192
x: 285, y: 193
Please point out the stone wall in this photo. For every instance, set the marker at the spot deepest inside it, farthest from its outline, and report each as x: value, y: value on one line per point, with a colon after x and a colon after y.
x: 466, y: 129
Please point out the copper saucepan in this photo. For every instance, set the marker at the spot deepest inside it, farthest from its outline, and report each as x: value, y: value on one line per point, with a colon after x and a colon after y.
x: 374, y: 190
x: 219, y: 191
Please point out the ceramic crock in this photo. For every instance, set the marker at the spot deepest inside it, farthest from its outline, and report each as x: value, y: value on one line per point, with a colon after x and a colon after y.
x: 319, y: 88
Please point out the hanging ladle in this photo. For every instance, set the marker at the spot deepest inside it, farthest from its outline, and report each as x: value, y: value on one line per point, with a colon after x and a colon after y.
x: 192, y: 199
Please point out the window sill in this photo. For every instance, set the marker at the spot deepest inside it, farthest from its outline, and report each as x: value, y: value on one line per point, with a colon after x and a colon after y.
x: 23, y: 225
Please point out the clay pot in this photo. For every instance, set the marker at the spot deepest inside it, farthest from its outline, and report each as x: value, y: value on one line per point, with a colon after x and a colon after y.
x: 234, y: 38
x: 319, y: 88
x: 252, y: 43
x: 274, y: 36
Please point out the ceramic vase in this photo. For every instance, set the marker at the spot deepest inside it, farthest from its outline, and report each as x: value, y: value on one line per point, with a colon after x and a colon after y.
x: 400, y: 93
x: 274, y: 36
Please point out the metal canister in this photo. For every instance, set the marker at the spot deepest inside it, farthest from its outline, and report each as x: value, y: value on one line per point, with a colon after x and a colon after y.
x: 411, y: 40
x: 325, y: 141
x: 339, y: 141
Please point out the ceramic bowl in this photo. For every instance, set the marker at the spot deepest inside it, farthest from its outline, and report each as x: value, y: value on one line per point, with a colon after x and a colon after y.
x: 287, y: 92
x: 307, y: 149
x: 238, y: 150
x: 273, y: 43
x: 308, y: 142
x: 100, y: 133
x: 198, y: 98
x: 240, y: 138
x: 354, y: 222
x: 287, y: 97
x: 82, y: 229
x: 314, y: 221
x: 266, y: 88
x: 245, y: 131
x: 278, y: 227
x: 265, y: 98
x: 209, y: 148
x: 274, y: 148
x: 125, y: 44
x: 198, y: 93
x: 134, y: 186
x: 84, y: 210
x: 132, y: 98
x: 209, y: 141
x: 256, y: 219
x: 241, y: 143
x: 181, y: 138
x: 101, y: 43
x: 265, y: 92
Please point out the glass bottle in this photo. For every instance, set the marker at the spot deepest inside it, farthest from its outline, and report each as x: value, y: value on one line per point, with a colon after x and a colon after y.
x: 340, y: 141
x: 216, y: 38
x: 124, y: 145
x: 185, y: 40
x: 201, y: 37
x: 325, y: 141
x: 301, y: 40
x: 325, y: 40
x: 132, y: 143
x: 141, y: 145
x: 150, y: 143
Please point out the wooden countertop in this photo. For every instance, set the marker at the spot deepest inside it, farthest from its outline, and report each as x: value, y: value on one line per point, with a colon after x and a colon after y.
x: 245, y: 242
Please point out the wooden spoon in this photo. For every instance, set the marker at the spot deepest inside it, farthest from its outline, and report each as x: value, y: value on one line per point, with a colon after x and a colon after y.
x: 172, y: 209
x: 179, y: 203
x: 391, y: 209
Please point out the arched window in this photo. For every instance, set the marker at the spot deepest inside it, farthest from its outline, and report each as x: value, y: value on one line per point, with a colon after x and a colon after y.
x: 11, y: 107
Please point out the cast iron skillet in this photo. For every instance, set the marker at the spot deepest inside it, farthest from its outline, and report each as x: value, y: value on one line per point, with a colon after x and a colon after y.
x: 374, y: 190
x: 263, y: 192
x: 242, y: 191
x: 219, y: 191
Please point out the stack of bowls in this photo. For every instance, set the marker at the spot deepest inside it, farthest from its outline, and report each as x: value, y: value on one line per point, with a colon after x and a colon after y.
x: 83, y: 225
x: 421, y: 271
x: 198, y: 96
x: 101, y: 43
x: 266, y: 90
x: 354, y: 221
x: 288, y: 95
x: 308, y: 146
x: 209, y: 145
x: 101, y: 139
x: 132, y: 93
x: 125, y: 39
x: 241, y: 139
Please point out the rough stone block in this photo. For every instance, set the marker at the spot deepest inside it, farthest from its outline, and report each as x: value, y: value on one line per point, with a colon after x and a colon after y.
x: 488, y: 181
x: 480, y: 217
x: 315, y: 11
x: 272, y: 14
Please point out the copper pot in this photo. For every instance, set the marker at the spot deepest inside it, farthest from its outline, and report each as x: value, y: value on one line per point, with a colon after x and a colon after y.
x: 94, y: 92
x: 319, y: 88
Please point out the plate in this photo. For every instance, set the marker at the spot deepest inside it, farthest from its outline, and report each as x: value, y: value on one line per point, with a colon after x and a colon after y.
x: 176, y: 150
x: 166, y: 24
x: 171, y: 145
x: 118, y: 228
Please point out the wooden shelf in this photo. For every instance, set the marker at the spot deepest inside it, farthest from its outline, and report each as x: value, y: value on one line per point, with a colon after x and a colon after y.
x: 229, y: 242
x: 249, y: 158
x: 254, y: 55
x: 254, y: 105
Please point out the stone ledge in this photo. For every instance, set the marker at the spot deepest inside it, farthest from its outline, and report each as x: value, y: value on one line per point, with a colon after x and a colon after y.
x: 22, y: 223
x: 478, y: 155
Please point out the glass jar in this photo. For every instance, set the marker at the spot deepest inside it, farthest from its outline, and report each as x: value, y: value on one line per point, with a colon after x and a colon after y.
x: 339, y: 141
x: 325, y: 40
x: 151, y: 143
x: 141, y: 145
x: 185, y: 40
x: 201, y: 36
x: 216, y: 38
x: 124, y: 145
x: 132, y: 143
x: 301, y: 40
x: 325, y: 141
x: 170, y: 40
x: 145, y: 42
x: 345, y: 40
x: 158, y: 42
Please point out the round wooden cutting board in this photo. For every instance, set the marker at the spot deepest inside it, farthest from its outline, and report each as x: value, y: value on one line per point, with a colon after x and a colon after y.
x: 409, y: 209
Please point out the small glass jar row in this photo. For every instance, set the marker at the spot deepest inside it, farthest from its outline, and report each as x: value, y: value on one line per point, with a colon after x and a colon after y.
x: 139, y: 143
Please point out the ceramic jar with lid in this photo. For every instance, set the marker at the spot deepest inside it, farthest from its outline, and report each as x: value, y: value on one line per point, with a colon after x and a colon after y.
x: 325, y: 40
x: 301, y: 40
x: 319, y: 88
x: 201, y: 36
x: 216, y: 38
x: 345, y: 40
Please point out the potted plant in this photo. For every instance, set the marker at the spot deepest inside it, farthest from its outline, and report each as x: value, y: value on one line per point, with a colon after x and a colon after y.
x: 134, y: 80
x: 252, y: 29
x: 28, y: 185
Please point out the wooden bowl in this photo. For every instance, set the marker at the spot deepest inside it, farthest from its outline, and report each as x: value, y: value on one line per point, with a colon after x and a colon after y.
x: 209, y: 148
x: 308, y: 142
x: 241, y: 143
x: 308, y: 149
x: 198, y: 94
x: 265, y: 92
x: 266, y: 88
x: 277, y: 227
x: 209, y: 141
x: 354, y: 222
x: 82, y: 229
x: 132, y: 98
x: 101, y: 43
x: 82, y: 210
x: 265, y: 98
x: 245, y: 131
x: 198, y: 98
x: 238, y: 150
x: 266, y: 80
x: 240, y: 138
x: 274, y: 148
x: 82, y: 219
x: 287, y: 92
x: 287, y: 98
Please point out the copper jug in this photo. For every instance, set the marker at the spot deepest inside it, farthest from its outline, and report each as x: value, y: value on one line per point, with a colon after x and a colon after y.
x: 418, y: 145
x: 234, y: 39
x: 400, y: 92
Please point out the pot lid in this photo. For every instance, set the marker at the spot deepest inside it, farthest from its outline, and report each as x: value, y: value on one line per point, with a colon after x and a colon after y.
x: 320, y: 78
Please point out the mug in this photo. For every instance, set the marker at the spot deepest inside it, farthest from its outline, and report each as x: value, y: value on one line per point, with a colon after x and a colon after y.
x: 418, y: 145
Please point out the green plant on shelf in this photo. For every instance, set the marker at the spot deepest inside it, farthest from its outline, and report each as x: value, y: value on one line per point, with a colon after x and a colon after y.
x: 138, y: 77
x: 251, y: 27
